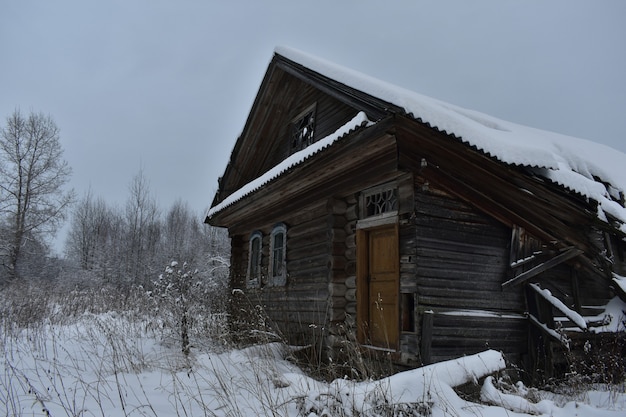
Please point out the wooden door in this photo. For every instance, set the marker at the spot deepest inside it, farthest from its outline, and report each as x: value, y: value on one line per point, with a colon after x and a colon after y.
x: 380, y: 279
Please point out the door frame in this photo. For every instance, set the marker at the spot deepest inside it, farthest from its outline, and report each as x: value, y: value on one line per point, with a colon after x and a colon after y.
x: 362, y: 278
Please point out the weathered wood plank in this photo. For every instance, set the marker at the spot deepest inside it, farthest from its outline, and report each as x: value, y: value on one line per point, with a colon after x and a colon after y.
x: 427, y: 337
x: 465, y: 246
x: 440, y: 300
x: 562, y: 257
x: 319, y: 248
x: 302, y: 266
x: 451, y: 283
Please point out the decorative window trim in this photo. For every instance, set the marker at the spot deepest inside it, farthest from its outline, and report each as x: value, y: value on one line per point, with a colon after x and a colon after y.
x: 379, y: 202
x: 278, y: 256
x: 254, y: 274
x: 302, y: 129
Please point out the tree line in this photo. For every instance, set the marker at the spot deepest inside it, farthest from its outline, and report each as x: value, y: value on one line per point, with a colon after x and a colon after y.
x: 127, y: 245
x: 133, y: 244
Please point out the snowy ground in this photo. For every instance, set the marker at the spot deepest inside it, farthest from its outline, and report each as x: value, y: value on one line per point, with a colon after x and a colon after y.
x: 108, y: 365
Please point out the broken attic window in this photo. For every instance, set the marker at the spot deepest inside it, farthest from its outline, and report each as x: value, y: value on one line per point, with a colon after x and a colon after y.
x: 302, y: 129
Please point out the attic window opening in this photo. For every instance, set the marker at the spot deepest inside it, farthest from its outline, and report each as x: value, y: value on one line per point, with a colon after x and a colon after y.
x: 380, y: 200
x: 303, y: 129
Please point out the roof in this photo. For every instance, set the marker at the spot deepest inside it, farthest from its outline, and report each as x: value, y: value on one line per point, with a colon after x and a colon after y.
x: 360, y: 120
x: 595, y: 171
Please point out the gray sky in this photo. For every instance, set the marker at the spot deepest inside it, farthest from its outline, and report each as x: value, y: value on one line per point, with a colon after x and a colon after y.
x: 166, y: 85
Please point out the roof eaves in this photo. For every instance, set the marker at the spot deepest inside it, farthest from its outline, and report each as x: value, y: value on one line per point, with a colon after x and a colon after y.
x: 358, y: 122
x: 477, y: 148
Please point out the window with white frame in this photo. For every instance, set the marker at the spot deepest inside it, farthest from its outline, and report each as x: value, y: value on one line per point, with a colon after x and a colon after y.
x: 278, y: 252
x: 254, y: 260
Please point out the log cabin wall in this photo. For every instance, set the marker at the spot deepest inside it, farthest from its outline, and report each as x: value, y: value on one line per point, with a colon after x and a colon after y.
x: 408, y: 291
x: 409, y: 313
x: 347, y: 214
x: 299, y: 310
x: 318, y: 304
x: 453, y: 255
x: 342, y: 284
x: 461, y: 261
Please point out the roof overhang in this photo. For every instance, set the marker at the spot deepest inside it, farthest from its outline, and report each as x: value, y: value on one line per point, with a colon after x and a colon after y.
x: 338, y: 168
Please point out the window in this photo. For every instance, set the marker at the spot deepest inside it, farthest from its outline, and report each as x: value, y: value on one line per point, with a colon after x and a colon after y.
x: 254, y: 260
x: 278, y: 249
x: 302, y: 129
x: 379, y: 200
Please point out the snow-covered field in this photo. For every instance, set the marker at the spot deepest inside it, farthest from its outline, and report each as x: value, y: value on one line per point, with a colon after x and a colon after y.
x: 112, y: 364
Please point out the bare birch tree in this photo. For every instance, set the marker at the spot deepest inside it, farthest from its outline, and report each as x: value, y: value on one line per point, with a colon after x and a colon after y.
x: 182, y: 233
x: 143, y: 222
x: 32, y: 176
x: 93, y: 231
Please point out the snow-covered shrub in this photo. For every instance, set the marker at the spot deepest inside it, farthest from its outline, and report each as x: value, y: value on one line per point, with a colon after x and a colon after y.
x: 188, y: 304
x: 23, y: 304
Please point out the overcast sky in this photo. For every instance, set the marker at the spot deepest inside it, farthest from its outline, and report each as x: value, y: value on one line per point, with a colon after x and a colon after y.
x: 165, y: 86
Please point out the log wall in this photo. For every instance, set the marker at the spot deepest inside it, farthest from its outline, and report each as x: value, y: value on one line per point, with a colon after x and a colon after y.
x: 460, y: 263
x: 453, y: 261
x: 299, y: 310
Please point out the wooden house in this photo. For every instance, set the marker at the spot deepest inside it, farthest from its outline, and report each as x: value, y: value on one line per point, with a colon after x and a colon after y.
x: 359, y: 211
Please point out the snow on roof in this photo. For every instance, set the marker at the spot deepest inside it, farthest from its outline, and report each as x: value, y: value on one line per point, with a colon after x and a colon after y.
x: 295, y: 159
x: 595, y: 171
x: 574, y: 163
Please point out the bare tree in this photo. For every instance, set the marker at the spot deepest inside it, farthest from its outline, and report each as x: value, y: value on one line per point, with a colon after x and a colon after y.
x: 144, y: 228
x: 32, y: 176
x: 93, y: 237
x: 182, y: 233
x: 186, y: 238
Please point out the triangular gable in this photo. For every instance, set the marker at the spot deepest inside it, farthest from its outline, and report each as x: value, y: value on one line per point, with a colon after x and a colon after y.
x: 291, y: 161
x: 254, y: 152
x: 286, y: 91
